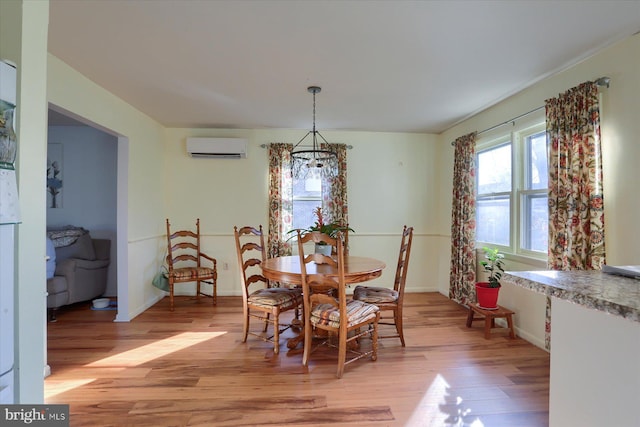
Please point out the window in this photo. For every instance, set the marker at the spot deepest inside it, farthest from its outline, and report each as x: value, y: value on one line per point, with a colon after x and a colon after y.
x: 307, y: 195
x: 535, y: 216
x: 511, y: 199
x: 493, y: 203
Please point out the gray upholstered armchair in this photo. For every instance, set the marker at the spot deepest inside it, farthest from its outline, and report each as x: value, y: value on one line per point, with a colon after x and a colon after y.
x: 80, y: 273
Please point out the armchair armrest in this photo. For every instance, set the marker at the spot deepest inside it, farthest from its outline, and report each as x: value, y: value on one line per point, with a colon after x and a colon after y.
x: 68, y: 266
x: 84, y: 279
x: 213, y: 260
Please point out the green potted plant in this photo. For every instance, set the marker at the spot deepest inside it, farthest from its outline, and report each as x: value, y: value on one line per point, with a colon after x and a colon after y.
x: 487, y: 292
x: 320, y: 226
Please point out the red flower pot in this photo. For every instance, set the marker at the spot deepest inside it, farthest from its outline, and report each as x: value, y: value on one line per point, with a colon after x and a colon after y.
x: 487, y: 297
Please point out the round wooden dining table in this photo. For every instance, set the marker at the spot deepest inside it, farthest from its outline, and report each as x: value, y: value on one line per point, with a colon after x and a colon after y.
x: 287, y: 269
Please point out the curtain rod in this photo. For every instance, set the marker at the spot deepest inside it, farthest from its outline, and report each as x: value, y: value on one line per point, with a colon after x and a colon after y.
x: 602, y: 81
x: 349, y: 147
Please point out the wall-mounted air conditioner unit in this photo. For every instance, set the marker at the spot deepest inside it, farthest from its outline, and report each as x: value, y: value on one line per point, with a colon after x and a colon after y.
x: 217, y: 148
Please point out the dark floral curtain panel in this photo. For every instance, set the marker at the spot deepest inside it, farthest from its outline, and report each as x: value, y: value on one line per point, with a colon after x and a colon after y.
x: 280, y: 199
x: 334, y: 189
x: 576, y: 208
x: 576, y: 205
x: 463, y: 221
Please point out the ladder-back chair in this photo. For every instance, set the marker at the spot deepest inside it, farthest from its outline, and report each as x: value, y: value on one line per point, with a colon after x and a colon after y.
x: 391, y: 299
x: 187, y: 263
x: 346, y: 320
x: 260, y: 301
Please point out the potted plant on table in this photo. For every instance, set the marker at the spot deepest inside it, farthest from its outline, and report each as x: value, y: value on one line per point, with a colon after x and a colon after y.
x: 487, y: 292
x: 320, y: 226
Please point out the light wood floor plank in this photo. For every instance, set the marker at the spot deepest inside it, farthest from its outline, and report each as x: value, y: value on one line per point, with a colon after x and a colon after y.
x: 190, y: 368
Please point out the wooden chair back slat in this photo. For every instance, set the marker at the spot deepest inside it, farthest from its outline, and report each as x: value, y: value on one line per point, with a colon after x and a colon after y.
x: 183, y: 252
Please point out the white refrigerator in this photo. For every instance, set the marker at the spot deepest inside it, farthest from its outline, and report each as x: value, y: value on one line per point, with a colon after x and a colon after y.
x: 9, y: 218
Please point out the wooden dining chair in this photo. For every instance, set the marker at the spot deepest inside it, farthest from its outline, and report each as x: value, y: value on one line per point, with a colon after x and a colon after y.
x: 187, y: 263
x: 391, y: 299
x: 260, y: 300
x: 341, y: 319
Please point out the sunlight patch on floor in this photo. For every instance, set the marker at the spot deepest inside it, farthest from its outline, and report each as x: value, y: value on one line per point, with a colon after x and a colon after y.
x: 155, y: 350
x: 429, y: 412
x: 132, y: 358
x: 53, y: 387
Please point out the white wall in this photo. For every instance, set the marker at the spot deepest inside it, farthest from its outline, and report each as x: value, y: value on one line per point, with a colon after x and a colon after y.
x: 23, y: 40
x: 392, y: 181
x: 620, y: 128
x: 89, y: 186
x: 140, y: 179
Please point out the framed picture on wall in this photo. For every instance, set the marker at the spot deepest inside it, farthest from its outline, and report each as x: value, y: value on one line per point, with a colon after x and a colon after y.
x: 54, y: 175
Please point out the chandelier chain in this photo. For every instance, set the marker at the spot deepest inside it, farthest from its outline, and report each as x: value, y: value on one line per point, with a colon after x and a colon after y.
x: 314, y: 113
x: 315, y: 160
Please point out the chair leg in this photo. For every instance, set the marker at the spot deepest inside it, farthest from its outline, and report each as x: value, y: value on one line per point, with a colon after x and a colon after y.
x: 397, y: 314
x: 170, y: 296
x: 342, y: 354
x: 198, y: 290
x: 246, y: 325
x: 374, y: 338
x: 276, y: 333
x: 307, y: 343
x: 266, y: 322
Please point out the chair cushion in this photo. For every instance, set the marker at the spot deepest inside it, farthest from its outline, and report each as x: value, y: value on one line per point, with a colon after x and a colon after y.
x: 329, y: 315
x: 272, y: 297
x: 374, y: 295
x: 192, y: 273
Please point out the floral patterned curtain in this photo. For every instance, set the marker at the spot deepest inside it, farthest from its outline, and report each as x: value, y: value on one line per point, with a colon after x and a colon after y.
x: 576, y: 206
x: 280, y: 199
x: 334, y: 189
x: 463, y: 221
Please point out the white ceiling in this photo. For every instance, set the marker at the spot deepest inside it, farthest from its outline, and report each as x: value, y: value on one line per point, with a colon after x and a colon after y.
x: 400, y: 66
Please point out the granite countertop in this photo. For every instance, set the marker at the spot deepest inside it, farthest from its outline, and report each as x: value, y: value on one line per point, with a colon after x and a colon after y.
x: 610, y: 293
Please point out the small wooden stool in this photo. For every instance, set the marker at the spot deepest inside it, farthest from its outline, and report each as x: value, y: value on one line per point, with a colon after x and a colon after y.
x: 490, y: 318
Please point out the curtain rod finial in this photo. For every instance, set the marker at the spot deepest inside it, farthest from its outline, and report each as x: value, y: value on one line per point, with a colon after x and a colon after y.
x: 603, y: 81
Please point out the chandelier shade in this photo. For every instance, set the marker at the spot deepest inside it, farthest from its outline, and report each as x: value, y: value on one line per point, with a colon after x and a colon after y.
x: 316, y: 159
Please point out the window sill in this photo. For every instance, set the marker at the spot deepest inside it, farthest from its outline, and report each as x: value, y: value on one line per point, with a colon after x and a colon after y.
x: 521, y: 259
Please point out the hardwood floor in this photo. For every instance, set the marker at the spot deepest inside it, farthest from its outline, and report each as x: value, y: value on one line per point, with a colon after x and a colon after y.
x: 190, y: 368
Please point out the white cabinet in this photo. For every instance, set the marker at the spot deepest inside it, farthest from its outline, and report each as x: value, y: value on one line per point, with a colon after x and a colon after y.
x: 6, y: 314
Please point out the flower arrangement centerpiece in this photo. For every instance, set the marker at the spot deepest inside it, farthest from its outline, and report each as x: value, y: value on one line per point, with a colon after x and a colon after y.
x: 329, y: 228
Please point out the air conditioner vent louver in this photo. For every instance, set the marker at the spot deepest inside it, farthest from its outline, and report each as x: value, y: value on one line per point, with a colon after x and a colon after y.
x: 218, y: 155
x: 217, y: 148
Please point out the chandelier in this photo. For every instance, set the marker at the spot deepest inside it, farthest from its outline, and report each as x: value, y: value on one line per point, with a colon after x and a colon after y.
x: 314, y: 161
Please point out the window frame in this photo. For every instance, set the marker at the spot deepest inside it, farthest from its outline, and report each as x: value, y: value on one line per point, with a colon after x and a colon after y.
x: 492, y: 144
x: 305, y: 198
x: 520, y: 195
